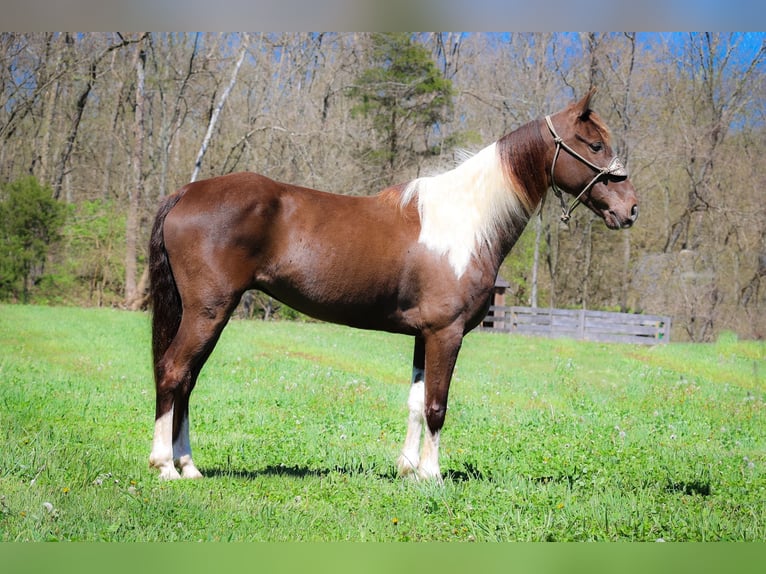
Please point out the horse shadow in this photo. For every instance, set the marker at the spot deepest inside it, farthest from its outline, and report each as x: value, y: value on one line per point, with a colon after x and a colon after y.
x: 293, y: 471
x: 466, y: 473
x: 685, y: 487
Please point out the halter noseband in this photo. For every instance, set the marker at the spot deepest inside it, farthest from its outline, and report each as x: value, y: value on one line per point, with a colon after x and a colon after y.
x: 615, y: 170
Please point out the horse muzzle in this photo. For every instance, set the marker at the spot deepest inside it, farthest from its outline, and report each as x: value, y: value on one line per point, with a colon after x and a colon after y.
x: 614, y: 220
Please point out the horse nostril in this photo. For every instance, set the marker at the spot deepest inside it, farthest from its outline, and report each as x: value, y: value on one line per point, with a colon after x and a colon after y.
x: 634, y: 213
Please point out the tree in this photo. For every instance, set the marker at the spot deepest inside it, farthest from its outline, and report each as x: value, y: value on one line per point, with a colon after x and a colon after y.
x: 217, y: 110
x: 82, y: 99
x: 132, y: 295
x: 30, y: 220
x: 407, y: 99
x: 94, y: 241
x: 720, y: 87
x: 175, y: 62
x: 712, y: 229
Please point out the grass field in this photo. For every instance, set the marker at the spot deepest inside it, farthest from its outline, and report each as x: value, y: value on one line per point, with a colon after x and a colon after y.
x: 297, y: 427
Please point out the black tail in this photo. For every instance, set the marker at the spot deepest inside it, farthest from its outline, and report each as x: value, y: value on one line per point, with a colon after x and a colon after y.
x: 165, y: 298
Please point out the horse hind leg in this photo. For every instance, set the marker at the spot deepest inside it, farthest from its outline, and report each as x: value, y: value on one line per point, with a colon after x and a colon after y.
x: 171, y: 442
x: 178, y: 371
x: 408, y: 461
x: 161, y: 456
x: 182, y: 456
x: 170, y: 457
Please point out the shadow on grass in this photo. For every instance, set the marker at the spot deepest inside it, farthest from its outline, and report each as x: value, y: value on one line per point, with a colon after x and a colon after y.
x: 467, y: 473
x: 690, y: 488
x: 294, y: 471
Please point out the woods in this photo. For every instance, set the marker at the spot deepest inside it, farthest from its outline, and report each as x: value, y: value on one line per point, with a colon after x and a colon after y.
x: 110, y: 123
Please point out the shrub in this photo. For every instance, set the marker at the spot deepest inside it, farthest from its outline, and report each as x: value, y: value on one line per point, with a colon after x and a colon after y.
x: 30, y: 223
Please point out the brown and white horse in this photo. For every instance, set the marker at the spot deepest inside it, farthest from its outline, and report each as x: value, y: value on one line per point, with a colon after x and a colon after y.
x: 418, y: 259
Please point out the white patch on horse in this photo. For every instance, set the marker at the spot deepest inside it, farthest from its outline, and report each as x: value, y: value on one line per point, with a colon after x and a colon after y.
x: 182, y: 451
x: 464, y: 207
x: 410, y: 457
x: 162, y: 447
x: 429, y: 461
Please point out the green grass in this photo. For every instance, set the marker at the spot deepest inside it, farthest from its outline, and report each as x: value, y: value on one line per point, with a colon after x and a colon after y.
x: 297, y: 427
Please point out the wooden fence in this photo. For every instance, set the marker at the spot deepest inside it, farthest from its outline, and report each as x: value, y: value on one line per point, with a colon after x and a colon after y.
x: 579, y: 324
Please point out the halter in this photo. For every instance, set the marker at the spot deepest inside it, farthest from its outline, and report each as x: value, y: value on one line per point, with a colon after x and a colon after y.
x: 615, y: 170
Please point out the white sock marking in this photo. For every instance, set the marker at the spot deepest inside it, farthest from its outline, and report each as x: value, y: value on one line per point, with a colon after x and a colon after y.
x: 429, y: 461
x: 162, y: 447
x: 410, y: 458
x: 182, y: 451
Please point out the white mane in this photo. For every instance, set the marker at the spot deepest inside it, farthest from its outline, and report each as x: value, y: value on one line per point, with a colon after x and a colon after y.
x: 463, y: 207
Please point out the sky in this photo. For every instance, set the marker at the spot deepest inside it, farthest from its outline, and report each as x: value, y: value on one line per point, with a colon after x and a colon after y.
x: 384, y: 15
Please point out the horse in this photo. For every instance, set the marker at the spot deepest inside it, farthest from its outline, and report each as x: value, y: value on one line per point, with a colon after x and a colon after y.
x: 418, y: 258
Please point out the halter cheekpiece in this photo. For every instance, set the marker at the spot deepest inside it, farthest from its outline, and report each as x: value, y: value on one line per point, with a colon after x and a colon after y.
x: 615, y: 170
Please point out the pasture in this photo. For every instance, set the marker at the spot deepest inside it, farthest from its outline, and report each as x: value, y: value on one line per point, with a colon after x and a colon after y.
x: 297, y: 427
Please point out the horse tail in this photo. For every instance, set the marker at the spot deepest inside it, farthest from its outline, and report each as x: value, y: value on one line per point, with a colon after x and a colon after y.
x: 165, y: 298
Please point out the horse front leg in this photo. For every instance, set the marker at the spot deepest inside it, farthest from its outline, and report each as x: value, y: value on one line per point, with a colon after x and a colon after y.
x: 410, y: 458
x: 432, y: 366
x: 441, y: 351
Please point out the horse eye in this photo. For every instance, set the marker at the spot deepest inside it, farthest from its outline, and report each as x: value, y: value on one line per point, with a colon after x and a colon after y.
x: 597, y: 146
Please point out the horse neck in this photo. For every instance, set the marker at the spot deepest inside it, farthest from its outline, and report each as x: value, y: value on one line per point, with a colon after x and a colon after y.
x: 524, y: 156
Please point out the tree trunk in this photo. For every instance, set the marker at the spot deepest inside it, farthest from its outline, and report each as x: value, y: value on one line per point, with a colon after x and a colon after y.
x: 109, y: 151
x: 131, y: 232
x: 170, y: 129
x: 217, y: 111
x: 49, y: 108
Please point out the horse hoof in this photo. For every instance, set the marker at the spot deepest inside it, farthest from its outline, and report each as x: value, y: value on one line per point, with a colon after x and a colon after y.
x: 190, y: 472
x: 405, y: 467
x: 169, y: 473
x: 431, y: 475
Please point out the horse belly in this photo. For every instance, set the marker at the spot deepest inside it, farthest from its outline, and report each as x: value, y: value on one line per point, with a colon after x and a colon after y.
x: 342, y: 290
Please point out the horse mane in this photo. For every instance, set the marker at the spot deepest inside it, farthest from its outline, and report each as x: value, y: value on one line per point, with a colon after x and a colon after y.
x: 522, y: 153
x: 392, y: 195
x: 475, y: 203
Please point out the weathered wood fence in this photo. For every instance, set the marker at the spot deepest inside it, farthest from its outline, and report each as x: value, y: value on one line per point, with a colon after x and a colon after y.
x: 579, y: 324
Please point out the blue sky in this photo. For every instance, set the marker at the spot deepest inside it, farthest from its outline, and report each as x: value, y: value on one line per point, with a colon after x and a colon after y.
x: 385, y: 15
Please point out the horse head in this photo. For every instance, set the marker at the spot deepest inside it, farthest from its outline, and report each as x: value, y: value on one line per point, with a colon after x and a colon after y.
x: 584, y: 165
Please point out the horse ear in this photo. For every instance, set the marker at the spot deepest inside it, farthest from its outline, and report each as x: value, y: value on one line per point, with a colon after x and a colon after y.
x: 583, y: 106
